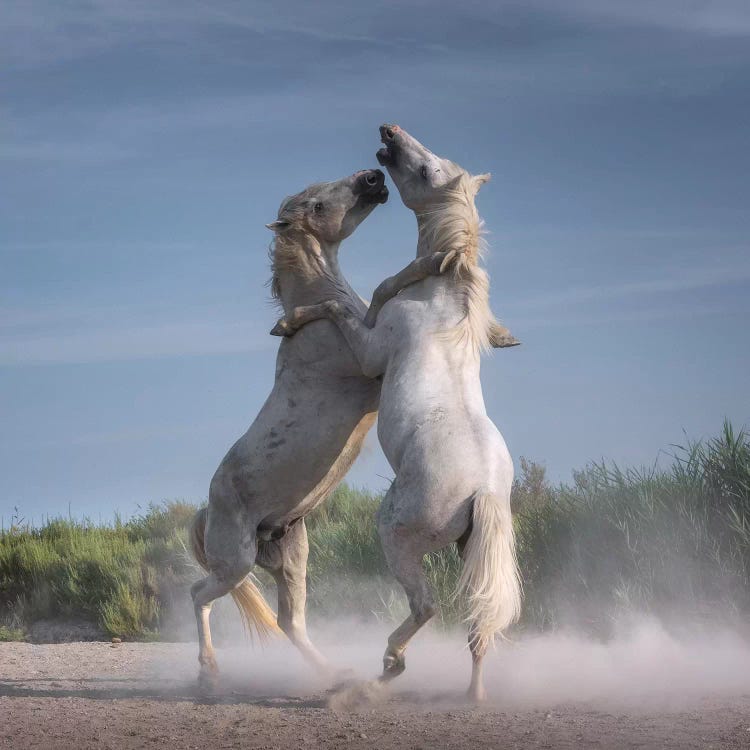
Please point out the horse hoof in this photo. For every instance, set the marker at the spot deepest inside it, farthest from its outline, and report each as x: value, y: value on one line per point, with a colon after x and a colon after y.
x: 208, y: 680
x: 281, y: 329
x: 393, y: 666
x: 476, y: 695
x: 504, y: 342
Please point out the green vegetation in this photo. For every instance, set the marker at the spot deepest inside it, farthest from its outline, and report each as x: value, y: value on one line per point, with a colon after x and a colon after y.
x: 11, y: 634
x: 119, y: 576
x: 672, y: 542
x: 667, y: 541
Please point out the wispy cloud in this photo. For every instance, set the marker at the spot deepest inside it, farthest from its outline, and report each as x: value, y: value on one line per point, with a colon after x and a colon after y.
x: 580, y: 317
x: 40, y: 32
x: 133, y: 343
x: 65, y: 335
x: 160, y: 431
x: 719, y: 17
x: 76, y: 152
x: 539, y: 49
x: 684, y: 280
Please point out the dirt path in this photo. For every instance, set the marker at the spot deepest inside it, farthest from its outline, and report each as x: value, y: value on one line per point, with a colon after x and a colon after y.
x: 91, y: 695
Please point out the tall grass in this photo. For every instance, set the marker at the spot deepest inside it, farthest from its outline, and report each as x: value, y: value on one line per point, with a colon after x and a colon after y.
x: 669, y: 541
x: 347, y: 570
x: 117, y: 575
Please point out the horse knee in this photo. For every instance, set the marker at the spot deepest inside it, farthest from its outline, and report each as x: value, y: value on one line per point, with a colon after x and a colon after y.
x: 195, y: 593
x: 421, y: 601
x: 218, y: 583
x: 424, y: 613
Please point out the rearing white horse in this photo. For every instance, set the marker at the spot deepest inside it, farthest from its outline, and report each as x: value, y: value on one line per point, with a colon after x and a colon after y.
x: 453, y: 470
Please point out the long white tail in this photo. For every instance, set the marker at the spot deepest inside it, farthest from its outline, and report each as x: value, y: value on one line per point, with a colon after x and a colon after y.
x: 256, y: 614
x: 490, y: 579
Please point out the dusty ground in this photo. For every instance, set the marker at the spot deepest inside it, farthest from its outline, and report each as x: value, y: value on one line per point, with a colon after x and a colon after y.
x: 93, y: 695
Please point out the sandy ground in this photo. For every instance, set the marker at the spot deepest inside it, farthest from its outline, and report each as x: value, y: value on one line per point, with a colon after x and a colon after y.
x: 646, y: 693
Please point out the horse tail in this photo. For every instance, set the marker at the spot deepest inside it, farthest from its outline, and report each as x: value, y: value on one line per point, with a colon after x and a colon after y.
x: 256, y: 615
x: 197, y: 534
x: 490, y: 579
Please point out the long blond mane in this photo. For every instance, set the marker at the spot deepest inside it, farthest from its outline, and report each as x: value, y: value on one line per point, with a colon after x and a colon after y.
x: 293, y: 248
x: 284, y: 253
x: 453, y: 226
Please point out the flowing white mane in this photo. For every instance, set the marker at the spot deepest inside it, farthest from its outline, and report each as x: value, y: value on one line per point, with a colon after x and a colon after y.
x: 453, y: 225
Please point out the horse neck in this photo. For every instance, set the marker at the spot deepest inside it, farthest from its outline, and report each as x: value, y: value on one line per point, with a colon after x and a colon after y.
x: 453, y: 225
x: 424, y: 237
x: 456, y: 227
x: 312, y: 277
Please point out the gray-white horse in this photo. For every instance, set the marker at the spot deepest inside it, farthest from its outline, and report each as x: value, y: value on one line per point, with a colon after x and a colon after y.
x: 308, y: 432
x: 453, y: 470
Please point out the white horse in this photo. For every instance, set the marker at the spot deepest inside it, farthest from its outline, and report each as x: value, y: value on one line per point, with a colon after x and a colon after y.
x: 453, y: 470
x: 308, y: 432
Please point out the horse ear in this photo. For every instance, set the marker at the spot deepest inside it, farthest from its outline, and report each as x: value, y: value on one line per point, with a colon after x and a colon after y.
x: 277, y: 226
x: 481, y: 179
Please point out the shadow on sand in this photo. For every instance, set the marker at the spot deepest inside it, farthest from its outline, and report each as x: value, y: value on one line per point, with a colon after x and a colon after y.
x: 350, y: 695
x: 133, y: 688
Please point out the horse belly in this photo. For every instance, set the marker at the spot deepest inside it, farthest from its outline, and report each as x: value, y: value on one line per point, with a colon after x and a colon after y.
x: 299, y: 447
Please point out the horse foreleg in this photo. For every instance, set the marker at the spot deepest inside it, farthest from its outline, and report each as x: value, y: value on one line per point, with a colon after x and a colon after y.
x: 417, y: 270
x: 299, y: 317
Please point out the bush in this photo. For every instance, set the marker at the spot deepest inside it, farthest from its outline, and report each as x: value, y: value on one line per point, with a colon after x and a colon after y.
x: 112, y: 575
x: 666, y: 541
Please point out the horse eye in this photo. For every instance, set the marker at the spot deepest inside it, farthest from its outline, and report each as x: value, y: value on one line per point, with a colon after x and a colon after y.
x: 423, y: 171
x: 318, y: 207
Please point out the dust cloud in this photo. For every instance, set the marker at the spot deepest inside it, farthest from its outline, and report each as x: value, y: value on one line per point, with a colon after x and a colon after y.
x: 644, y: 666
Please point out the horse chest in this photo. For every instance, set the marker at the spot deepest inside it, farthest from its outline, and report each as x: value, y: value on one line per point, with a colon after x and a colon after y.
x: 416, y: 311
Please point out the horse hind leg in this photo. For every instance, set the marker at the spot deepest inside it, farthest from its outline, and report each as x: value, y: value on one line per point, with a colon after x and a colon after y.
x: 219, y: 581
x: 476, y: 692
x: 205, y: 593
x: 286, y: 560
x: 405, y: 562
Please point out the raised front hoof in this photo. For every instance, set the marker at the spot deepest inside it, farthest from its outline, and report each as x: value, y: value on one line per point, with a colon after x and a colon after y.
x: 393, y: 666
x: 282, y: 328
x: 504, y: 342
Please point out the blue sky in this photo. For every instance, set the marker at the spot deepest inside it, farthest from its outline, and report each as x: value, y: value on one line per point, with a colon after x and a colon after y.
x: 145, y: 144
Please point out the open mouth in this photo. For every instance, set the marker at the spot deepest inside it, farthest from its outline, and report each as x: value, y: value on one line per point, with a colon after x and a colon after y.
x: 378, y: 196
x: 385, y: 157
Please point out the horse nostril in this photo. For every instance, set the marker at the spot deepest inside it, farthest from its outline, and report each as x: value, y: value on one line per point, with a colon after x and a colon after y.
x: 389, y: 133
x: 371, y: 178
